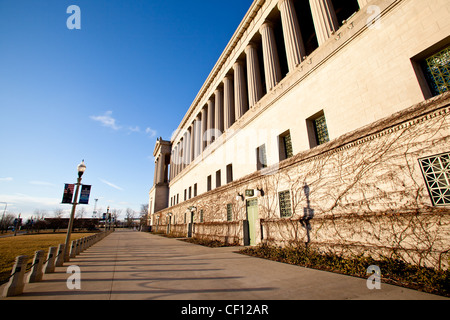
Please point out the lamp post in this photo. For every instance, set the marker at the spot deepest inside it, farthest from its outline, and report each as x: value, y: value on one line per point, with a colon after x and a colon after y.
x: 81, y: 168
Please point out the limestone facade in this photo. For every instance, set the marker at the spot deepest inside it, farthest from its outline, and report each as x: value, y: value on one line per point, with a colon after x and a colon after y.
x: 297, y: 80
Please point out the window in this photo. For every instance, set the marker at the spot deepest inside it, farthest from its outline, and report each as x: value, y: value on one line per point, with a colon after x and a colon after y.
x: 317, y: 129
x: 201, y: 215
x: 190, y: 192
x: 436, y: 172
x: 285, y: 204
x: 185, y: 194
x: 195, y: 190
x: 261, y: 158
x: 178, y: 198
x: 229, y: 212
x: 208, y: 183
x: 285, y: 146
x: 218, y: 180
x: 436, y: 69
x: 229, y: 173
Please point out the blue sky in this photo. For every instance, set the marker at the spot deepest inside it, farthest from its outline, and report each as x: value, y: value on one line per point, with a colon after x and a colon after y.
x: 103, y: 93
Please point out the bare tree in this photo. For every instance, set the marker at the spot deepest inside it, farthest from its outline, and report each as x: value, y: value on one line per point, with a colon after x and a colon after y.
x: 129, y: 217
x: 144, y: 215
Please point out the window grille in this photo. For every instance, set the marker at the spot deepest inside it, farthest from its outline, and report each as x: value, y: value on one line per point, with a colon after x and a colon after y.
x: 320, y: 126
x: 229, y: 212
x: 437, y: 71
x: 285, y: 204
x: 436, y: 172
x: 288, y: 146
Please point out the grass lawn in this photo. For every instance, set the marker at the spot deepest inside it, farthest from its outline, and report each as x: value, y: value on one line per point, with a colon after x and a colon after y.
x: 11, y: 247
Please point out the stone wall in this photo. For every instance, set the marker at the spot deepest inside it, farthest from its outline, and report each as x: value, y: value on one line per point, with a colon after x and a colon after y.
x: 361, y: 193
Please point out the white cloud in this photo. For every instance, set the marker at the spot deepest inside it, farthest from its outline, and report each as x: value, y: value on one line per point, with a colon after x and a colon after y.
x: 6, y: 179
x: 24, y: 199
x: 151, y: 133
x: 106, y: 120
x: 134, y: 129
x: 111, y: 184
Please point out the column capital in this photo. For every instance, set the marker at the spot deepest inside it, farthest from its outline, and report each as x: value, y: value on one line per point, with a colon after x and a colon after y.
x: 251, y: 45
x: 265, y: 25
x: 281, y: 3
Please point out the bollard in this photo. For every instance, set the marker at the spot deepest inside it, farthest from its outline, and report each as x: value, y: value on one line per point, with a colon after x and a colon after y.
x: 36, y: 274
x: 60, y: 257
x: 78, y: 246
x: 15, y: 285
x: 49, y: 266
x: 73, y: 249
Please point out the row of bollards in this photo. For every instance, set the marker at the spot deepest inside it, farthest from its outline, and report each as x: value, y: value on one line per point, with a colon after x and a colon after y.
x: 39, y: 267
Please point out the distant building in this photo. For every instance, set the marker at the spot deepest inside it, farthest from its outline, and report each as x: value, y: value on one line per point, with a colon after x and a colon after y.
x: 63, y: 223
x: 325, y: 123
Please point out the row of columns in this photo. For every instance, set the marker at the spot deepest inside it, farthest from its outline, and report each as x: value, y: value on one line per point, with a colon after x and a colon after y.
x: 234, y: 96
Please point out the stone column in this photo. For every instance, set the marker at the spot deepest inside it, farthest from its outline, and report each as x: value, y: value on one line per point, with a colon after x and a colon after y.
x: 179, y: 158
x: 295, y: 49
x: 240, y: 90
x: 161, y: 168
x: 183, y: 162
x: 187, y: 148
x: 325, y: 20
x: 204, y: 129
x: 171, y: 173
x: 192, y: 143
x: 271, y: 61
x: 228, y: 102
x: 219, y: 111
x: 198, y: 135
x: 253, y: 75
x: 211, y: 120
x: 174, y: 161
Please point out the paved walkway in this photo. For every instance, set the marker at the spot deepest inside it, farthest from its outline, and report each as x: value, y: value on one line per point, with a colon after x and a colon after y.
x: 136, y: 266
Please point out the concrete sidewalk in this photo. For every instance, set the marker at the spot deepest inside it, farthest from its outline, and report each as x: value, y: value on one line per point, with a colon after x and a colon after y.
x: 130, y: 265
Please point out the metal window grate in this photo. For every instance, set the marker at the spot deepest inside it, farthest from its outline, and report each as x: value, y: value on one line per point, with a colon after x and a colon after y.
x: 320, y: 126
x: 229, y: 212
x: 437, y: 71
x: 285, y: 204
x: 436, y: 172
x: 288, y: 146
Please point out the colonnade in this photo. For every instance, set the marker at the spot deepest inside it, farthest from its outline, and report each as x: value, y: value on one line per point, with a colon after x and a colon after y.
x: 242, y: 87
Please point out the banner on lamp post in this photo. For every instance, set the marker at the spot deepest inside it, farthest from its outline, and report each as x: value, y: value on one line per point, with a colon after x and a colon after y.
x: 85, y: 193
x: 68, y: 193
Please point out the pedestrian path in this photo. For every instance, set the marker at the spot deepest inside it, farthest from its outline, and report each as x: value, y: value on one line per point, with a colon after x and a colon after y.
x: 130, y: 265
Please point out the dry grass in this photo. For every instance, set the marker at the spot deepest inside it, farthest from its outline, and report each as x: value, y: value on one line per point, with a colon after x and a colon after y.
x: 11, y: 247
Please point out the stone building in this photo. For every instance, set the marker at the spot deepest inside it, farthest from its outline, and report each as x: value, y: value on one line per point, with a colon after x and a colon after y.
x: 323, y: 122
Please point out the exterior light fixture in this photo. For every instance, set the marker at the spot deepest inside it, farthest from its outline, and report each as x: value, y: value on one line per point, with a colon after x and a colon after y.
x: 81, y: 168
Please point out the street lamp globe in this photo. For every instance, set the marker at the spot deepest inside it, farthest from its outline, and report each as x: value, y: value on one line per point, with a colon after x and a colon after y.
x: 81, y: 168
